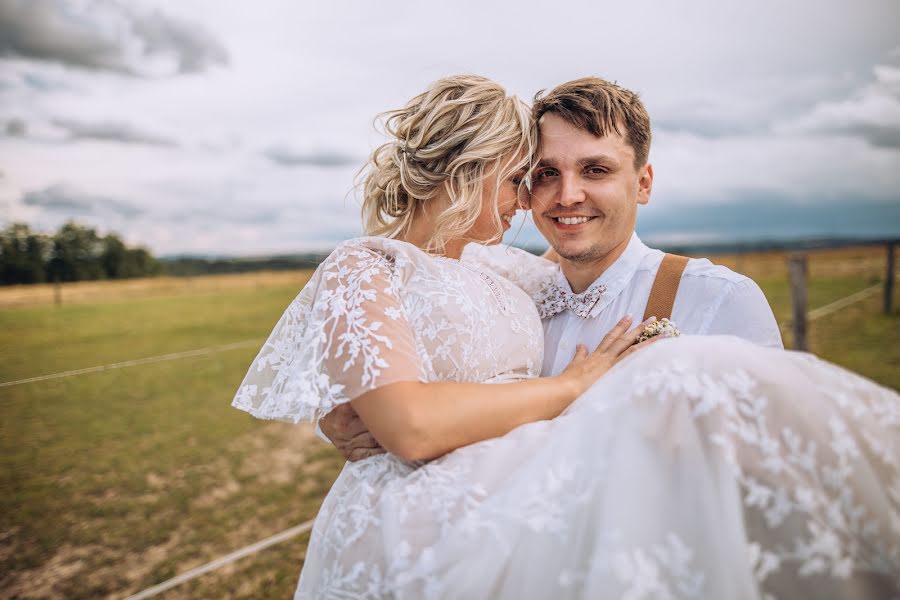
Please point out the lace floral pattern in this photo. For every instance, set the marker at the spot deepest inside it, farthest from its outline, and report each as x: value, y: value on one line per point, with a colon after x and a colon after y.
x: 380, y: 311
x: 819, y: 478
x: 698, y: 468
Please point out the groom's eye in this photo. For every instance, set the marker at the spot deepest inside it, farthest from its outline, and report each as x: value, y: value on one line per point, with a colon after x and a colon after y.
x: 596, y: 170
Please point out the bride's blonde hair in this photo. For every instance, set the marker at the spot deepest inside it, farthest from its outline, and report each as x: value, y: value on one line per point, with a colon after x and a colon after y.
x: 448, y: 138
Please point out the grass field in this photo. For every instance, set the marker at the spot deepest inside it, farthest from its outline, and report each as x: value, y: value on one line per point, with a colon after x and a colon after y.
x: 114, y: 481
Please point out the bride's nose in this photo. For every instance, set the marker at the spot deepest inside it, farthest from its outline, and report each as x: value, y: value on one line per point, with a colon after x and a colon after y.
x: 523, y: 199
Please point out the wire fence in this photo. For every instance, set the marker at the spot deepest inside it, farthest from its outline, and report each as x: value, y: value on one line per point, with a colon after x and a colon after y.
x: 280, y: 537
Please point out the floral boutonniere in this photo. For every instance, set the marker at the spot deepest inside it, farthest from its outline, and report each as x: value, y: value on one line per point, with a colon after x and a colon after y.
x: 663, y: 327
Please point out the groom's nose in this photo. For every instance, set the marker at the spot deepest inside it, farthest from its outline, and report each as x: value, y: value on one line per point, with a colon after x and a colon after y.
x: 570, y: 191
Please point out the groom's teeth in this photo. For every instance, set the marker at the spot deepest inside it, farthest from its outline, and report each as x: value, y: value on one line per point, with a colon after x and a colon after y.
x: 507, y: 218
x: 573, y: 220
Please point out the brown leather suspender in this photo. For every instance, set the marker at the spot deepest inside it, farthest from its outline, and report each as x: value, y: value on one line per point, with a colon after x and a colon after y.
x: 665, y: 287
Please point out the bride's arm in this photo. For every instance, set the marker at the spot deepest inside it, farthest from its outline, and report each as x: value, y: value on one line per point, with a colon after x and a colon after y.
x: 418, y: 421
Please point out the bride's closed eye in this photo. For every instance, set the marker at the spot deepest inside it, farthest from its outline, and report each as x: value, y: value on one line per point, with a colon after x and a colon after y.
x: 543, y: 174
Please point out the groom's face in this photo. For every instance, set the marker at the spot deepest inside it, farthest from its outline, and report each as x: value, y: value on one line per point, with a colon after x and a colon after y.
x: 586, y: 190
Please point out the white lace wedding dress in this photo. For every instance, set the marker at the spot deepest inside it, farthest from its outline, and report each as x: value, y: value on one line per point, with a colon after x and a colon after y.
x: 698, y: 468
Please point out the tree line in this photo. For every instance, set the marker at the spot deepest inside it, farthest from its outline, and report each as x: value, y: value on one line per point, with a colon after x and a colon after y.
x: 79, y: 253
x: 73, y: 253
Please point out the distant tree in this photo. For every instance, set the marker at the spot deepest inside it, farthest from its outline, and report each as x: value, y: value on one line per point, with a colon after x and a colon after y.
x: 113, y: 258
x: 77, y: 251
x: 23, y: 255
x: 140, y: 263
x: 120, y: 262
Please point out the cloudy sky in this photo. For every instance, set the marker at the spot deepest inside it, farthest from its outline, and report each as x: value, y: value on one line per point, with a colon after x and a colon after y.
x: 202, y: 126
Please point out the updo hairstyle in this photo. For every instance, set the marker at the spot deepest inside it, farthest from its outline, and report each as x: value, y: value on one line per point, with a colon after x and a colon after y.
x: 448, y: 138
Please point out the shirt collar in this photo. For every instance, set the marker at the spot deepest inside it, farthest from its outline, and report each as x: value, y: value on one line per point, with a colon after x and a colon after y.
x: 618, y: 275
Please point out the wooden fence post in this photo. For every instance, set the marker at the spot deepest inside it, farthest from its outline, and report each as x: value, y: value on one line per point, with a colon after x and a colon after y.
x: 889, y: 278
x: 798, y: 271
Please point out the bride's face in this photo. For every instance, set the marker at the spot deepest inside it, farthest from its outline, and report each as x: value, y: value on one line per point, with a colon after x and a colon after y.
x: 498, y: 206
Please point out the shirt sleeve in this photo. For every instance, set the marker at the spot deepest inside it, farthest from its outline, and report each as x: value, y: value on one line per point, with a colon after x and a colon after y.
x: 345, y: 334
x: 743, y: 311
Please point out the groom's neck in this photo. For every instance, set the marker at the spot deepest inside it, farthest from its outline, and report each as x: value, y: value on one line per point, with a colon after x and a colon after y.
x: 583, y: 272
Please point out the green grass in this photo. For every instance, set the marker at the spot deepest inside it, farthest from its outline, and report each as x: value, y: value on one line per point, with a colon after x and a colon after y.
x: 114, y: 481
x: 127, y: 477
x: 860, y: 337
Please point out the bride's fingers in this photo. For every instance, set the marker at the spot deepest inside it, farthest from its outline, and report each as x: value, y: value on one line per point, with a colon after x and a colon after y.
x: 614, y: 334
x: 626, y: 340
x: 581, y: 352
x: 637, y: 347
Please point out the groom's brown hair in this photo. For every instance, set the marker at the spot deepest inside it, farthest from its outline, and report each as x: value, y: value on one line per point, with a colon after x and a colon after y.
x: 599, y: 107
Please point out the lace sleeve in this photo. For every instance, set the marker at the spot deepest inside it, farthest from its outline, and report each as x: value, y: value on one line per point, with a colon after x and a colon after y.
x: 345, y: 334
x: 529, y: 272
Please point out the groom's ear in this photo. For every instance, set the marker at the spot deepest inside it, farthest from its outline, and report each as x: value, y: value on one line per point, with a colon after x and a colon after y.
x: 645, y: 183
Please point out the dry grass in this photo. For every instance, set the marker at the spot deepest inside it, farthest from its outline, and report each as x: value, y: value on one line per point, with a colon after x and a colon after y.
x: 81, y: 292
x: 112, y: 482
x: 273, y: 455
x: 861, y: 261
x: 865, y: 261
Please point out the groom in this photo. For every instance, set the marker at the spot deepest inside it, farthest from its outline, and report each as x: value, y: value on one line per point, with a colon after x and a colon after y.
x: 592, y: 175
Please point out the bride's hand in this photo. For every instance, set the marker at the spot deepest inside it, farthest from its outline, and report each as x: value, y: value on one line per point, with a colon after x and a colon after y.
x: 587, y: 367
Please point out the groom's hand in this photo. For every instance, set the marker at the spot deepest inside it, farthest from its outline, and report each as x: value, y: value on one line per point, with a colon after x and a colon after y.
x: 349, y: 434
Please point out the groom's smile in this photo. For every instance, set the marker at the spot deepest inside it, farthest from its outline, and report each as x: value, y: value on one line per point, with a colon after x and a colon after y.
x: 571, y: 222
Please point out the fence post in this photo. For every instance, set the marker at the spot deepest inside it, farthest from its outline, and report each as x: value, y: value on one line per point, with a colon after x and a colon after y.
x: 889, y: 279
x: 798, y: 271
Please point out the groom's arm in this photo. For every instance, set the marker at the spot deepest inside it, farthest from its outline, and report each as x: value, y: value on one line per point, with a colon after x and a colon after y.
x: 743, y: 311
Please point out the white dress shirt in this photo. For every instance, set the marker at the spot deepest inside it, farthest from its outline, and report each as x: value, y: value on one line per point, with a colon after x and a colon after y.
x: 711, y: 300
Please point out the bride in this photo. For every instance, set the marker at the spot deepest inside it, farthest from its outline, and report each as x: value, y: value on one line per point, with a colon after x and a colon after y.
x: 695, y: 467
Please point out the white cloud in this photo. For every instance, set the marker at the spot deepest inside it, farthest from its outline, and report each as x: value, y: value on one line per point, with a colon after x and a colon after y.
x: 68, y: 201
x: 101, y: 35
x: 872, y: 114
x: 111, y: 131
x: 288, y: 157
x: 740, y: 95
x: 691, y: 169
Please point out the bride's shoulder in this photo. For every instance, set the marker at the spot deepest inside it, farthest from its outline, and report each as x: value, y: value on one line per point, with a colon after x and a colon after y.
x: 370, y: 256
x: 368, y: 244
x: 530, y: 272
x: 372, y: 247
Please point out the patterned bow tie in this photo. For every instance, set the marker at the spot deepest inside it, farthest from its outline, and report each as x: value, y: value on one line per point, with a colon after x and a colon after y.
x: 555, y: 299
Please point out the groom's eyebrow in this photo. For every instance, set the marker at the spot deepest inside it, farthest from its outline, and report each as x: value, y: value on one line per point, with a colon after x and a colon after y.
x: 602, y: 160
